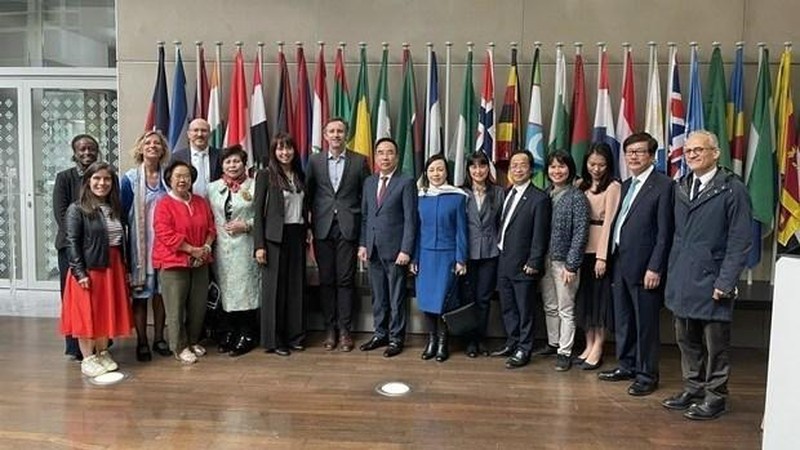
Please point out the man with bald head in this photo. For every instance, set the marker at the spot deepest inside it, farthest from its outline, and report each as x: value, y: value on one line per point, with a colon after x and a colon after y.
x: 203, y: 157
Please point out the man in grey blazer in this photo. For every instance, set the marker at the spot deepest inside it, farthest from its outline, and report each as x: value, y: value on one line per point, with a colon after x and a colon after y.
x: 334, y: 182
x: 203, y: 157
x: 388, y: 234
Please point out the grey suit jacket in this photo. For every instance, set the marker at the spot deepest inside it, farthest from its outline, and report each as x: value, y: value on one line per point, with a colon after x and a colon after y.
x: 345, y: 203
x: 392, y: 227
x: 484, y: 224
x: 185, y: 155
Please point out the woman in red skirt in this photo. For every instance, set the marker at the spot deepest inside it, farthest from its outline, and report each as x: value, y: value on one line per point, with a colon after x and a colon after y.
x: 96, y: 305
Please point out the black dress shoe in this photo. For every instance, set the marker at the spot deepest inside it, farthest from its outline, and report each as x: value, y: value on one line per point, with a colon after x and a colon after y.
x: 642, y: 388
x: 587, y: 366
x: 394, y: 349
x: 547, y: 350
x: 373, y: 343
x: 143, y: 353
x: 283, y: 351
x: 472, y: 350
x: 616, y: 375
x: 226, y: 343
x: 162, y: 348
x: 298, y: 347
x: 519, y: 359
x: 706, y: 410
x: 504, y: 351
x: 243, y: 346
x: 681, y: 401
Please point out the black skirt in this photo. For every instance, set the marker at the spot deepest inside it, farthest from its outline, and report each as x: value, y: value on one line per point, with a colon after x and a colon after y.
x: 594, y: 307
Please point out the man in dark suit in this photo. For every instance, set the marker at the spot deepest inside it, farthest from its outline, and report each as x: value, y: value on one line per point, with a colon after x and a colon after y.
x: 388, y: 234
x: 641, y: 240
x: 524, y: 239
x: 203, y: 157
x: 334, y: 183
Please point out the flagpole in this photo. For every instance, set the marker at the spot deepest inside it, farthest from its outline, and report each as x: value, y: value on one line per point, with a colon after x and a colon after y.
x: 198, y: 90
x: 218, y: 56
x: 428, y: 99
x: 448, y: 47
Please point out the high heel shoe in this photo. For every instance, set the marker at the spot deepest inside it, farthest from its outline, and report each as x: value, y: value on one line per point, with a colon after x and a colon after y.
x: 143, y: 353
x: 243, y: 346
x: 442, y: 351
x: 586, y: 366
x: 430, y: 349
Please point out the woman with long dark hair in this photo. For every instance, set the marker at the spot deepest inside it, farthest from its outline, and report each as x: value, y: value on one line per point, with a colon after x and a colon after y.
x: 96, y: 306
x: 593, y: 309
x: 280, y: 247
x: 484, y: 208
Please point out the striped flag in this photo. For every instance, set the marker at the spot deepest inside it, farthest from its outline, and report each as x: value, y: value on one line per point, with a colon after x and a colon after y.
x: 214, y: 105
x: 178, y: 123
x: 789, y: 210
x: 320, y: 114
x: 716, y: 106
x: 158, y: 112
x: 285, y: 121
x: 238, y: 131
x: 408, y: 128
x: 735, y: 114
x: 509, y: 124
x: 760, y: 167
x: 461, y: 147
x: 259, y: 132
x: 382, y: 124
x: 342, y: 105
x: 695, y: 117
x: 603, y: 117
x: 485, y: 141
x: 302, y: 112
x: 653, y: 118
x: 202, y: 89
x: 626, y: 121
x: 360, y: 139
x: 534, y: 135
x: 559, y: 125
x: 579, y: 123
x: 433, y: 121
x: 675, y: 121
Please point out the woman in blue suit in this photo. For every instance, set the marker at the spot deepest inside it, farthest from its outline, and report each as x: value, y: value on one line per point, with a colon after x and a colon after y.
x: 441, y: 251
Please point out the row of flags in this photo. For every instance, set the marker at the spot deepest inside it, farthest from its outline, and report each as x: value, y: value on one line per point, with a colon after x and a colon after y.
x: 767, y: 162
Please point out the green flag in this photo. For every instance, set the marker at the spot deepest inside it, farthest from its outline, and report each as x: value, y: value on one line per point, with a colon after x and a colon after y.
x: 462, y: 146
x: 760, y: 167
x: 407, y: 126
x: 559, y: 127
x: 716, y: 107
x: 342, y: 105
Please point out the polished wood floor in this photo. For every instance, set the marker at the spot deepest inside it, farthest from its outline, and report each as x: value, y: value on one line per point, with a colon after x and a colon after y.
x: 318, y: 399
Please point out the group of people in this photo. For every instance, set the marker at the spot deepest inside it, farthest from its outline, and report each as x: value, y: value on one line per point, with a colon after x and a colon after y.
x: 603, y: 254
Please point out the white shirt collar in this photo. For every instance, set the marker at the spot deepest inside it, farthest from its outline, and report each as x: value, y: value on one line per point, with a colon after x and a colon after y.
x: 196, y: 151
x: 642, y: 177
x: 704, y: 179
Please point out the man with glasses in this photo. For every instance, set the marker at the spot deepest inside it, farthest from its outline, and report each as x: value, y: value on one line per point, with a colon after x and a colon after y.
x: 203, y: 157
x: 712, y: 240
x: 640, y: 242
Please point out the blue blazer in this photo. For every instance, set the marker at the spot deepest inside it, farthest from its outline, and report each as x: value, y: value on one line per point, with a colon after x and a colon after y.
x: 392, y: 227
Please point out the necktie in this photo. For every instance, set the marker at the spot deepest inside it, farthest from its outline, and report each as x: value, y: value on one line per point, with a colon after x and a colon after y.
x: 202, y: 180
x: 507, y: 208
x: 695, y: 188
x: 382, y: 189
x: 626, y: 206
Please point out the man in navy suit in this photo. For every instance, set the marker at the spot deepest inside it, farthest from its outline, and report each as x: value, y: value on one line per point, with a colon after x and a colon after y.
x: 203, y: 157
x: 388, y: 233
x: 640, y: 242
x: 524, y: 239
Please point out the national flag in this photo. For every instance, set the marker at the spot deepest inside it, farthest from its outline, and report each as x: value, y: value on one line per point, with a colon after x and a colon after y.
x: 285, y: 117
x: 381, y: 122
x: 178, y: 123
x: 461, y: 147
x: 158, y: 112
x: 789, y: 209
x: 408, y: 129
x: 579, y: 123
x: 202, y: 89
x: 214, y: 105
x: 603, y: 117
x: 509, y: 124
x: 485, y: 141
x: 716, y: 107
x: 360, y: 139
x: 653, y: 115
x: 259, y: 131
x: 675, y: 121
x: 534, y: 135
x: 735, y: 114
x: 302, y: 112
x: 321, y: 111
x: 626, y: 121
x: 238, y: 130
x: 559, y: 121
x: 342, y: 105
x: 433, y: 117
x: 760, y: 167
x: 695, y: 117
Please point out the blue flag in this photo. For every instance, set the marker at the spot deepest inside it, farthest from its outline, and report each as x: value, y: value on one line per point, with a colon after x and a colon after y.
x: 178, y: 124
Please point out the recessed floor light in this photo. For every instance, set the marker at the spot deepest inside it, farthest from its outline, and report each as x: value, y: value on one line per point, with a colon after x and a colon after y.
x: 107, y: 378
x: 393, y: 389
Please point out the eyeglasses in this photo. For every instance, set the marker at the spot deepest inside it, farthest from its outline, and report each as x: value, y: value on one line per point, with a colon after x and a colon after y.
x: 695, y: 150
x: 637, y: 152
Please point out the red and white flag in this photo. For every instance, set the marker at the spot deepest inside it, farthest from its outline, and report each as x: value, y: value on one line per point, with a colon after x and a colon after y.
x: 238, y: 131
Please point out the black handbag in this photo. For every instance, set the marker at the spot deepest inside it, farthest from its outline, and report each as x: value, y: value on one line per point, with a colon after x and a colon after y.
x: 462, y: 320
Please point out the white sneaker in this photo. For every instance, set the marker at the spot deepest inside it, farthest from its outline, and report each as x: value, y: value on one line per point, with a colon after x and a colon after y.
x: 104, y: 358
x: 92, y: 367
x: 198, y: 350
x: 186, y: 356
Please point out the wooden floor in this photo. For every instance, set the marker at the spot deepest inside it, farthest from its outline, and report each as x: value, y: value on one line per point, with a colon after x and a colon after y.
x: 318, y: 399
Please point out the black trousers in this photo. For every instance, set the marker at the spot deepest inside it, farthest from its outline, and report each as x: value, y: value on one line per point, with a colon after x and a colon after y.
x: 636, y: 321
x: 481, y: 284
x: 336, y: 257
x: 70, y: 343
x: 705, y: 362
x: 389, y: 306
x: 516, y: 301
x: 283, y: 280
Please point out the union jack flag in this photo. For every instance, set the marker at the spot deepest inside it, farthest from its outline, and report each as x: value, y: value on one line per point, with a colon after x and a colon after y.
x: 675, y: 120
